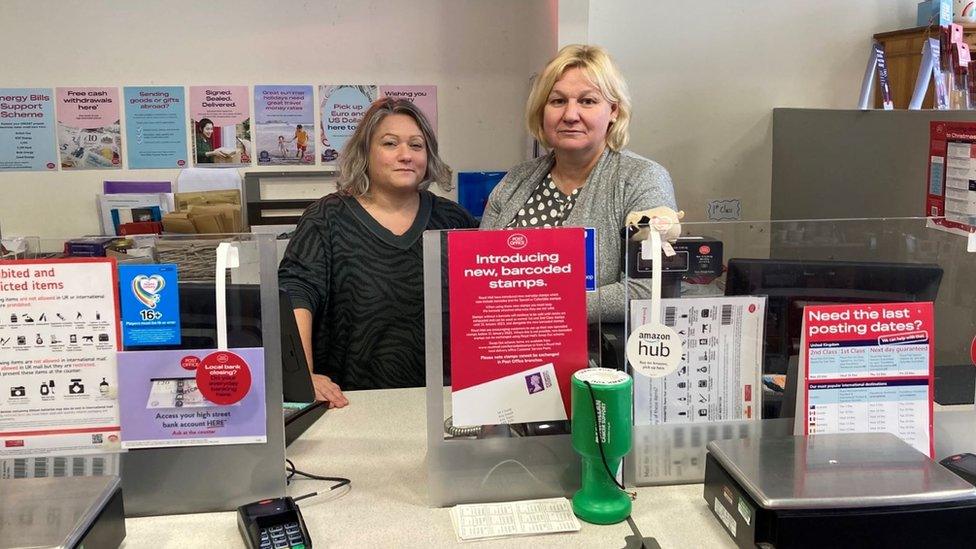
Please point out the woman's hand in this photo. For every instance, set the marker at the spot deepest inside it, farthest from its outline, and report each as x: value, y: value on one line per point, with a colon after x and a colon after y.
x: 328, y: 391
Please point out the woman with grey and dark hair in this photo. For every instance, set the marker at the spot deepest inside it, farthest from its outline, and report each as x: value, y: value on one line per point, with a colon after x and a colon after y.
x: 354, y: 267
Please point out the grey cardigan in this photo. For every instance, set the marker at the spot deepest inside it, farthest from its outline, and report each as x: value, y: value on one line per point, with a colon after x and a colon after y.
x: 620, y: 183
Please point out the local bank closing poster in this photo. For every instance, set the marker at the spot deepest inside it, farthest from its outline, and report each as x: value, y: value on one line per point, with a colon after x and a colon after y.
x: 518, y: 323
x: 868, y: 369
x: 27, y: 129
x: 58, y: 342
x: 425, y: 97
x: 155, y: 126
x: 284, y: 117
x: 192, y: 397
x: 220, y: 117
x: 342, y: 107
x: 89, y: 128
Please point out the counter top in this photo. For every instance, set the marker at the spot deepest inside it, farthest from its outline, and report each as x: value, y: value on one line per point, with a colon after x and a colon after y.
x: 379, y: 442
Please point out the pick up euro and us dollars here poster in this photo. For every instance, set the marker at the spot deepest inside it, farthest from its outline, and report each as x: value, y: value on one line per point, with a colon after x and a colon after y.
x: 517, y: 323
x: 869, y: 368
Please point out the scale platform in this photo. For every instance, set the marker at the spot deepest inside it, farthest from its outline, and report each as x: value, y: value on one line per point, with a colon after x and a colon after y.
x: 843, y: 490
x: 62, y: 512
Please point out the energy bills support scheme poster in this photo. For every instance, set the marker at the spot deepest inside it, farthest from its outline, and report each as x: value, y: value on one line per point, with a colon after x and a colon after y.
x: 155, y: 126
x: 869, y: 369
x: 341, y: 108
x: 518, y: 323
x: 192, y: 398
x: 719, y: 376
x: 89, y: 128
x: 951, y: 185
x: 220, y: 118
x: 27, y: 130
x: 284, y: 117
x: 58, y: 342
x: 424, y: 97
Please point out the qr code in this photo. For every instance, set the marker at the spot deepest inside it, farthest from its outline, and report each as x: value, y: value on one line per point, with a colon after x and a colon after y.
x: 97, y: 439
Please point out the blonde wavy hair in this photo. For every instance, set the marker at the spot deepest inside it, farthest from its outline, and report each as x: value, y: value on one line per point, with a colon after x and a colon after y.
x: 601, y: 71
x: 354, y: 158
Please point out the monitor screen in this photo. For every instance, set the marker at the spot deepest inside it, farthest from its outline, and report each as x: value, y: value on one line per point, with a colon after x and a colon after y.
x: 198, y: 330
x: 790, y: 285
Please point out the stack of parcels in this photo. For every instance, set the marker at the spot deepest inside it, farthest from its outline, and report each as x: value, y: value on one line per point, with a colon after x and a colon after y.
x: 205, y: 212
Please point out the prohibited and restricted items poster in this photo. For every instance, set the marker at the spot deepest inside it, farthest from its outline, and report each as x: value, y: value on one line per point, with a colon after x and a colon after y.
x: 58, y: 343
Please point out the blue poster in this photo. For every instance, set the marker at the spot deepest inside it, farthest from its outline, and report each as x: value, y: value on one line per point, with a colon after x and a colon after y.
x: 590, y: 259
x: 27, y: 130
x: 150, y: 300
x: 155, y: 125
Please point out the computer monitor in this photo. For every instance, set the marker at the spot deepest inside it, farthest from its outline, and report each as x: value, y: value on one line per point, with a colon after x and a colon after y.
x: 198, y: 330
x: 792, y: 284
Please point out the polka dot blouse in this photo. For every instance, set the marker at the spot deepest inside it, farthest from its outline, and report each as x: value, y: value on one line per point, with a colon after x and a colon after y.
x: 547, y: 207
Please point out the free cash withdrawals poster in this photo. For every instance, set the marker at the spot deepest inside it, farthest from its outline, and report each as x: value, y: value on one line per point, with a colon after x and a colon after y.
x: 89, y: 128
x: 155, y: 126
x: 518, y: 323
x: 58, y: 342
x: 192, y: 397
x: 342, y: 107
x: 284, y: 119
x: 868, y: 369
x: 220, y: 117
x: 27, y: 129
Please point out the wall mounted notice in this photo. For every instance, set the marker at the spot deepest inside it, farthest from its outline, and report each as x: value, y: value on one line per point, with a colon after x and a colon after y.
x: 58, y: 343
x: 341, y: 107
x: 155, y: 126
x: 89, y: 128
x: 868, y: 369
x: 951, y: 184
x: 220, y: 117
x: 27, y: 129
x: 718, y: 378
x: 192, y: 398
x: 150, y: 305
x: 425, y: 97
x: 518, y: 323
x: 285, y: 123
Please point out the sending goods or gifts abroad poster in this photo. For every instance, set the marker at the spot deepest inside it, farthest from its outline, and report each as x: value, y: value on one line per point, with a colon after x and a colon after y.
x: 89, y: 128
x: 518, y: 323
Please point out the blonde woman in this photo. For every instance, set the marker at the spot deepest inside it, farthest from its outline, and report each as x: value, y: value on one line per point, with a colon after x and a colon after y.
x: 579, y: 108
x: 354, y: 267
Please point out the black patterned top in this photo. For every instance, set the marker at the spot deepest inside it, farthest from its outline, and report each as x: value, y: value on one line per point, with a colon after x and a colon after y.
x: 365, y: 288
x: 547, y: 207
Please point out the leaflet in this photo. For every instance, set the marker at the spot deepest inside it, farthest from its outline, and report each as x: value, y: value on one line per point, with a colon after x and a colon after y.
x: 719, y: 375
x: 868, y: 369
x: 514, y: 518
x: 58, y: 342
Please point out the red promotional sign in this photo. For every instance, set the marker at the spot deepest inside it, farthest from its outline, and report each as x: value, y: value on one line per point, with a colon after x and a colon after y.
x: 870, y: 368
x: 518, y: 306
x: 952, y: 154
x: 223, y: 378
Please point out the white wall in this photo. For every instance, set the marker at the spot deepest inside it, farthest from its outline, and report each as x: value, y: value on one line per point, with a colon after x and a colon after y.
x: 705, y: 76
x: 479, y: 54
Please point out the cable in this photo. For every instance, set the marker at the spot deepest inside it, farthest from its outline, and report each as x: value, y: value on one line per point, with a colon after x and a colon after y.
x: 292, y: 471
x: 599, y: 440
